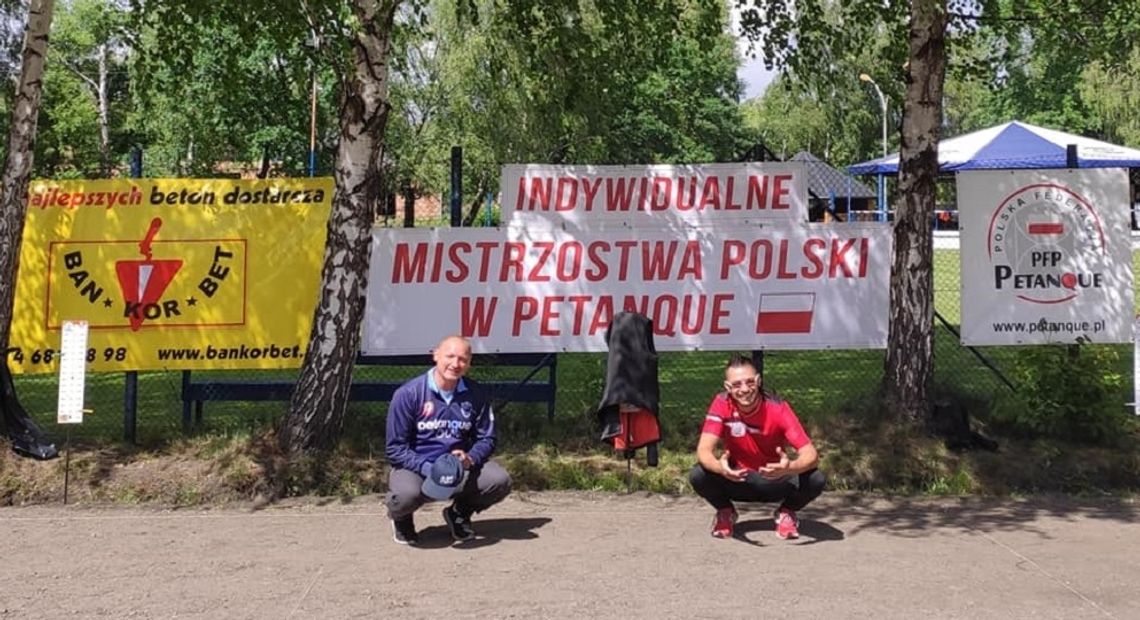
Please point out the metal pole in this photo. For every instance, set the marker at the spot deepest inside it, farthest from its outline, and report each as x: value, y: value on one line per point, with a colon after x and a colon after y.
x: 313, y: 128
x: 882, y: 189
x: 130, y: 405
x: 67, y: 464
x: 136, y: 162
x: 883, y: 102
x: 456, y: 186
x: 882, y: 180
x: 409, y: 205
x: 131, y: 378
x: 314, y: 44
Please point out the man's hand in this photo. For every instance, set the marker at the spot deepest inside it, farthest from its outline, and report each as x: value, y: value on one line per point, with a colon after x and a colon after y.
x: 463, y: 458
x: 778, y: 469
x: 735, y: 475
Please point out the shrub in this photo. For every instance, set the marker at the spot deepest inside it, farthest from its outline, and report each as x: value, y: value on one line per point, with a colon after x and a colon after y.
x: 1074, y: 392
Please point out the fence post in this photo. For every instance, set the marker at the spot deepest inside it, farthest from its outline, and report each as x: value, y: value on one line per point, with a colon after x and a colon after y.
x: 131, y: 378
x: 456, y: 186
x: 409, y: 204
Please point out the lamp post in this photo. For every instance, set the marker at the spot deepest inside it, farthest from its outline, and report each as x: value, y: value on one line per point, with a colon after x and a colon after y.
x: 313, y: 128
x: 882, y: 179
x: 882, y: 102
x: 314, y: 43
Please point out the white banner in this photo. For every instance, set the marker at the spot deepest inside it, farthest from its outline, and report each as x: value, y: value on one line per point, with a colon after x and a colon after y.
x: 1046, y: 256
x: 722, y: 287
x: 639, y: 196
x: 1136, y: 366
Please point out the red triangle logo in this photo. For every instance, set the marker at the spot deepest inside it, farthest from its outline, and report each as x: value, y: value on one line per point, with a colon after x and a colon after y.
x: 144, y: 281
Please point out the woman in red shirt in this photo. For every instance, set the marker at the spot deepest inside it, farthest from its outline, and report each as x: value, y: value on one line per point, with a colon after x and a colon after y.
x: 755, y: 428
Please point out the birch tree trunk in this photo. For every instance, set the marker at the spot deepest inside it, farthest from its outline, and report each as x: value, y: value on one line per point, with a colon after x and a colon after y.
x: 21, y: 151
x: 316, y: 410
x: 909, y: 367
x: 104, y: 114
x: 98, y: 86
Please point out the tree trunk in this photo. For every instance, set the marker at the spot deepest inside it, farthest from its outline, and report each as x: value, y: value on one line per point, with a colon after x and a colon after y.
x: 104, y: 115
x: 21, y: 151
x: 316, y: 411
x: 909, y: 367
x: 476, y: 202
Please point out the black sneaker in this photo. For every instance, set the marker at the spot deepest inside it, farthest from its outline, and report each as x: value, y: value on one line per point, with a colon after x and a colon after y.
x: 404, y: 531
x: 459, y: 523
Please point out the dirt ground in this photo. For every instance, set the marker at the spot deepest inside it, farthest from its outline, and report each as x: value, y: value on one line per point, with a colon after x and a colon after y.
x: 576, y: 555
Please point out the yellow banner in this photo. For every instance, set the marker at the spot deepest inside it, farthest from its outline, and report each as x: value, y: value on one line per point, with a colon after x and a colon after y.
x: 171, y: 273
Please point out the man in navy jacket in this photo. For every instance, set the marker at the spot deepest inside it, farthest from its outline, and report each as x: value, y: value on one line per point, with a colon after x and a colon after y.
x: 442, y: 414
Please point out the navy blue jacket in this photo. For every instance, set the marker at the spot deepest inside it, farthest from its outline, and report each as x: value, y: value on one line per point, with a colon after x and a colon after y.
x: 422, y: 425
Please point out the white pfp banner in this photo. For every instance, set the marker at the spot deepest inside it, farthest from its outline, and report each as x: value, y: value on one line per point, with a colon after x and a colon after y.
x: 654, y: 196
x: 722, y: 287
x: 1046, y: 256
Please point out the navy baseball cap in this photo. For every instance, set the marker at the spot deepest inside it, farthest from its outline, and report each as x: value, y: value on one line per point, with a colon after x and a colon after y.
x: 445, y: 479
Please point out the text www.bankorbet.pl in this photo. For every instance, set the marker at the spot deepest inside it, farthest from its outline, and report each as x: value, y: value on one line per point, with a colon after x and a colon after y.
x: 242, y: 352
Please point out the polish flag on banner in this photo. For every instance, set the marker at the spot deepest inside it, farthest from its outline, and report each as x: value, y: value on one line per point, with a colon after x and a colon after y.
x: 785, y: 313
x: 1046, y: 228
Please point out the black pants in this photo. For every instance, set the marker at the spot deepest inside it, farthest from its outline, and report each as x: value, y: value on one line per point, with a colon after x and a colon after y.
x: 792, y: 492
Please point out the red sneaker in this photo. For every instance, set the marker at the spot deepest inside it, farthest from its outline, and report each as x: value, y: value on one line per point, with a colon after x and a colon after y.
x: 787, y: 525
x: 722, y: 525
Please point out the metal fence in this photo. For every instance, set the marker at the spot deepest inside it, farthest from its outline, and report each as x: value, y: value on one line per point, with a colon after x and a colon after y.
x: 818, y: 383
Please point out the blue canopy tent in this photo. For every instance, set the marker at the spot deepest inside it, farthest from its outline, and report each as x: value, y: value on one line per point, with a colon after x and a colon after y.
x: 1012, y: 145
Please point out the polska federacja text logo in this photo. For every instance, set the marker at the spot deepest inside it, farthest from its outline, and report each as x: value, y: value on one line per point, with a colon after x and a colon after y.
x: 1046, y: 244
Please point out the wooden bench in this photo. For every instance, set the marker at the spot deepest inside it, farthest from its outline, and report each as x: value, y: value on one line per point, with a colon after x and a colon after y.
x: 531, y: 388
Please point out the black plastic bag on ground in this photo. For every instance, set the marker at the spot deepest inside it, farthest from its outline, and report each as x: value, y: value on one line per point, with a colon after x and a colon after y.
x: 27, y: 438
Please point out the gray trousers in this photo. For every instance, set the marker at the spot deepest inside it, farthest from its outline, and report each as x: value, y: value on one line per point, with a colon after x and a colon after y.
x: 487, y: 485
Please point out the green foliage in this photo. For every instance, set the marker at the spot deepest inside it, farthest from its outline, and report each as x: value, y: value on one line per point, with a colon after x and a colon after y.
x: 562, y: 82
x: 840, y: 125
x: 822, y: 47
x: 234, y: 100
x: 67, y: 145
x: 86, y: 49
x: 1113, y: 94
x: 1065, y: 64
x: 826, y: 44
x: 1072, y: 391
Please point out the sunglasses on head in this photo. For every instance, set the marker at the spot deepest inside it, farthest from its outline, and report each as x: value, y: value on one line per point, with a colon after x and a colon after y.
x: 739, y: 383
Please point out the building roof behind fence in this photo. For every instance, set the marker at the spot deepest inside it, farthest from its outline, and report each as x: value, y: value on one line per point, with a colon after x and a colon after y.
x: 824, y: 180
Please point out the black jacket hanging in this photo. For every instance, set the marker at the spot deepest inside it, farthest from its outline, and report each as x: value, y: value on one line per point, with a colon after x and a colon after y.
x: 630, y: 406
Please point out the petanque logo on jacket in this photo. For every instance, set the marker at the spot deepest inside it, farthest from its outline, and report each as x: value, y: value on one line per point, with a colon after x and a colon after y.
x: 429, y: 408
x: 1046, y: 244
x: 465, y: 409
